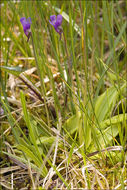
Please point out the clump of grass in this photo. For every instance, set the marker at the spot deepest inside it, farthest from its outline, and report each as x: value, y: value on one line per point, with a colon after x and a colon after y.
x: 63, y: 98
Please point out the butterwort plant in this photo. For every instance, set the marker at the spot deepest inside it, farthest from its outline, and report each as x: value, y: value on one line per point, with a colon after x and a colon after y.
x: 26, y: 23
x: 56, y: 22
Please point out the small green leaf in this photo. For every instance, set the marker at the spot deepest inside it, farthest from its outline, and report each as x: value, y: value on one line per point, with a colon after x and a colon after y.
x: 30, y: 154
x: 45, y: 140
x: 113, y: 120
x: 87, y: 132
x: 112, y: 76
x: 108, y: 134
x: 13, y: 70
x: 72, y: 124
x: 105, y: 102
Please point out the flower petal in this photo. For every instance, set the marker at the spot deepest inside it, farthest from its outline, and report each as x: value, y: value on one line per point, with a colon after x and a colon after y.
x: 26, y: 24
x: 53, y: 18
x: 22, y: 19
x: 58, y: 22
x: 59, y: 19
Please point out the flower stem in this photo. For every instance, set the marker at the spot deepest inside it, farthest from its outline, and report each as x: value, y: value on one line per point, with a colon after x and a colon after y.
x: 41, y: 80
x: 69, y: 66
x: 69, y: 77
x: 84, y: 53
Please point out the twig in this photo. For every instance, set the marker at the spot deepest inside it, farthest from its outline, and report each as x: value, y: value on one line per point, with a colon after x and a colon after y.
x: 23, y: 79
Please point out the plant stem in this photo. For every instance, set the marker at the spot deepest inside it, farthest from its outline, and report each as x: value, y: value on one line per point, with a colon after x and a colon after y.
x: 69, y: 66
x: 41, y: 80
x: 84, y: 54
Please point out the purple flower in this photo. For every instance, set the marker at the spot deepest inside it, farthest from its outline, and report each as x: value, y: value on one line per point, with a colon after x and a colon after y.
x: 26, y: 25
x: 56, y: 22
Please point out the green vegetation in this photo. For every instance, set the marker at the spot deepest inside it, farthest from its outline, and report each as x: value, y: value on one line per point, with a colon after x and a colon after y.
x: 63, y: 111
